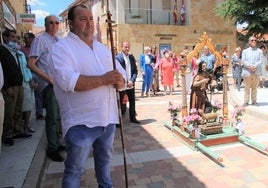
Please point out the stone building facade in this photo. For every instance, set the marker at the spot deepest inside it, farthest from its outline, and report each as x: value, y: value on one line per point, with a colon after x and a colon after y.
x: 151, y: 22
x: 8, y: 16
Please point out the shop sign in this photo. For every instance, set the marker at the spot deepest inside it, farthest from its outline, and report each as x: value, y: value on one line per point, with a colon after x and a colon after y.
x: 8, y: 16
x: 165, y: 36
x: 24, y: 18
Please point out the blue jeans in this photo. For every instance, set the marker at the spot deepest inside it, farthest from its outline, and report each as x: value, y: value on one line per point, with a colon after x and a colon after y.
x: 79, y: 140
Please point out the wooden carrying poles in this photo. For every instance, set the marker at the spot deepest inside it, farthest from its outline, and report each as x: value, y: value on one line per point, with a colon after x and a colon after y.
x: 110, y: 34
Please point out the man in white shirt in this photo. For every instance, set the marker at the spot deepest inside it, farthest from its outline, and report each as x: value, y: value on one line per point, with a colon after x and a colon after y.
x: 252, y: 60
x: 85, y: 86
x: 38, y: 62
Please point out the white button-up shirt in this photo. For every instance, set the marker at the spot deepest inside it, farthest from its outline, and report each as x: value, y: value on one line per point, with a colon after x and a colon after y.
x: 70, y: 58
x: 252, y: 56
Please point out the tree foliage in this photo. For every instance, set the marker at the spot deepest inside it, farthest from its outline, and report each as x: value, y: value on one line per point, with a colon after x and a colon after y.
x: 252, y: 12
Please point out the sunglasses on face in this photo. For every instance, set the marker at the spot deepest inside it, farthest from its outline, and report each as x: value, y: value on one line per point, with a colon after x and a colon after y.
x: 253, y: 40
x: 51, y: 22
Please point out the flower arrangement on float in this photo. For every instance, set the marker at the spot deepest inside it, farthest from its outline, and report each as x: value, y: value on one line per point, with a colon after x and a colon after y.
x: 193, y: 118
x: 192, y: 121
x: 237, y: 113
x: 216, y: 105
x: 174, y: 112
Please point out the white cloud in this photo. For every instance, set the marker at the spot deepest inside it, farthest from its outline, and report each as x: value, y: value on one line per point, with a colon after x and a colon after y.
x: 40, y: 13
x: 36, y: 2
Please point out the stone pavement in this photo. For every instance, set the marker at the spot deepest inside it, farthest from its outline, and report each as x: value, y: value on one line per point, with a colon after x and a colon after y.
x: 155, y: 157
x: 22, y: 164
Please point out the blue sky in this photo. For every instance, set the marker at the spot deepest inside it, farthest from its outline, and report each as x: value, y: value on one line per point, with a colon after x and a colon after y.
x: 42, y: 8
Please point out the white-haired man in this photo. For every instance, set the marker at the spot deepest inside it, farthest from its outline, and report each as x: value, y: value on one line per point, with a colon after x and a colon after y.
x: 252, y: 60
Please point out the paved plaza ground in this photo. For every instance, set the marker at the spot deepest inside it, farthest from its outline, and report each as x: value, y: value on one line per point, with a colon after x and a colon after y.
x: 156, y: 158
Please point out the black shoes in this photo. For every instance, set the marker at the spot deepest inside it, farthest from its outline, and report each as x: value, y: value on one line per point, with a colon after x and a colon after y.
x: 61, y: 148
x: 245, y: 104
x: 118, y: 126
x: 8, y: 141
x: 132, y: 121
x: 135, y: 121
x: 255, y: 104
x: 29, y: 129
x: 20, y: 136
x: 40, y: 117
x: 55, y: 156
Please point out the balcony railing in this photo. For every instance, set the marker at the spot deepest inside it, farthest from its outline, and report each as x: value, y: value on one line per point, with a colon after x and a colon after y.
x: 151, y: 16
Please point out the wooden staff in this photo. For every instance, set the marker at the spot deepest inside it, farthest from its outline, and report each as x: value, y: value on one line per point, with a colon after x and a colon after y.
x: 183, y: 67
x: 110, y: 34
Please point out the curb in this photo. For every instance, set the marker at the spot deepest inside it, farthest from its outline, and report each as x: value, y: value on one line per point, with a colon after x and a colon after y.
x: 36, y: 170
x: 251, y: 110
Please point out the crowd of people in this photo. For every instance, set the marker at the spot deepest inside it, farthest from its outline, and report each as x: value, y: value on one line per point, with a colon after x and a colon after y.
x: 249, y: 70
x: 161, y: 70
x: 25, y: 87
x: 80, y: 101
x: 16, y: 90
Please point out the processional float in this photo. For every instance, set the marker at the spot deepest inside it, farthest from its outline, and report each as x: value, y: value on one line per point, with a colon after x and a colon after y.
x: 211, y: 133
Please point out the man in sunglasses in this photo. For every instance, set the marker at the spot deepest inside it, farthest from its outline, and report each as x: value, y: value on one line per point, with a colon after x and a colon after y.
x: 252, y: 60
x: 38, y: 62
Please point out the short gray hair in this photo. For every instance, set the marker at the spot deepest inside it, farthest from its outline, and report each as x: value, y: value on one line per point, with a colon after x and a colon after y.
x: 147, y: 48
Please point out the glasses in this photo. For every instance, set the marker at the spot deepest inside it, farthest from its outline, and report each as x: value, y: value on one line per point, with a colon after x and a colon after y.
x: 253, y: 40
x: 51, y: 22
